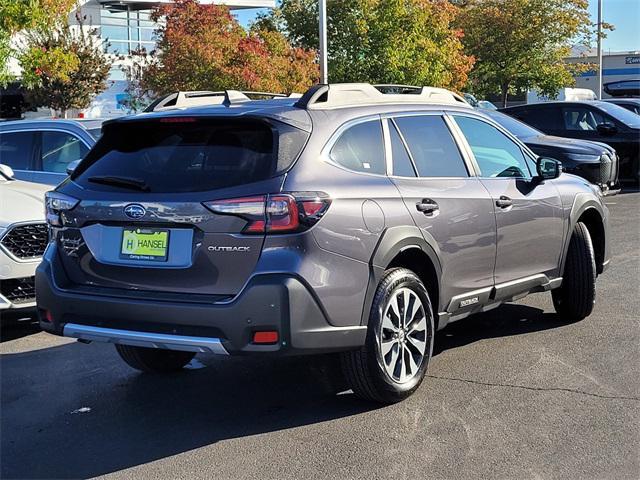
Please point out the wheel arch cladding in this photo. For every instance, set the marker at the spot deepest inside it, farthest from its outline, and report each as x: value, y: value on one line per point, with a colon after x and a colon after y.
x: 594, y: 223
x: 416, y: 260
x: 588, y: 210
x: 404, y: 246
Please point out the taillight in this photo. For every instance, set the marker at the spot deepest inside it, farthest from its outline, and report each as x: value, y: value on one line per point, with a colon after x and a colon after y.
x: 282, y: 214
x: 277, y: 213
x: 56, y: 204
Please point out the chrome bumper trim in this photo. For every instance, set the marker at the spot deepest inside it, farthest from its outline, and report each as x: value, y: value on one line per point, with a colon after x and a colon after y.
x: 145, y: 339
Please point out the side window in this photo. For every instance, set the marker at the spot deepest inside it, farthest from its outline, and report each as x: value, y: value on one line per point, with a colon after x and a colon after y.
x: 361, y: 148
x: 59, y: 149
x: 581, y: 118
x: 16, y: 149
x: 496, y: 154
x: 543, y: 118
x: 402, y: 166
x: 432, y: 147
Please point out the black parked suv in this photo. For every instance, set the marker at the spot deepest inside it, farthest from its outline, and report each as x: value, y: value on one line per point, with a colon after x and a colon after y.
x: 346, y: 221
x: 595, y: 161
x: 631, y: 104
x: 589, y: 120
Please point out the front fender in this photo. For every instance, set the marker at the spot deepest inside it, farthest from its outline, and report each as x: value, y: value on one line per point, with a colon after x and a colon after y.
x: 582, y: 203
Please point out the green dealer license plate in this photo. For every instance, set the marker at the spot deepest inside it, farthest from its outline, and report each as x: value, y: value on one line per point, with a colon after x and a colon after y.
x: 145, y: 244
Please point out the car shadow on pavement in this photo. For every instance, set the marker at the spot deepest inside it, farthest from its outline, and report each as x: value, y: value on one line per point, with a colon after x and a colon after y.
x: 76, y: 411
x: 506, y: 320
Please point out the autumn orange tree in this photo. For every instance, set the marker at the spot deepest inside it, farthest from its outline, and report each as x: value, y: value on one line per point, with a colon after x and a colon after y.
x: 380, y: 41
x: 522, y: 44
x: 203, y: 47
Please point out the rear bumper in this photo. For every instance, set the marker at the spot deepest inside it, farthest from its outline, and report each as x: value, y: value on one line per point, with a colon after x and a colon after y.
x: 268, y: 302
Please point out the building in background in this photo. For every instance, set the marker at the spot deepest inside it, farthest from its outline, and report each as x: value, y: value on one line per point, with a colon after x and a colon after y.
x: 127, y: 26
x: 617, y: 66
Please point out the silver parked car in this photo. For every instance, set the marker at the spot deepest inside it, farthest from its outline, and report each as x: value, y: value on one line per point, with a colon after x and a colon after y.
x: 348, y: 220
x: 40, y: 151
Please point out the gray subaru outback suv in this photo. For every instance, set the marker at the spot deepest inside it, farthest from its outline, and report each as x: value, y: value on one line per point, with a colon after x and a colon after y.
x: 347, y: 220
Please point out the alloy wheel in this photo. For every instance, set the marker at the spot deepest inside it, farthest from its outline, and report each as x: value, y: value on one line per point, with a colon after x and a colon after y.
x: 403, y: 336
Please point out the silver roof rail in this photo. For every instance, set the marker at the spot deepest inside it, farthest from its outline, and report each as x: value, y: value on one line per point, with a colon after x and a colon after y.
x: 184, y: 99
x: 323, y: 96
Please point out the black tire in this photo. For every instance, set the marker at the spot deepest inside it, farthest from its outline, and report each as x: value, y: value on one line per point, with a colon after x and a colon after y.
x: 575, y: 299
x: 363, y: 368
x: 154, y: 360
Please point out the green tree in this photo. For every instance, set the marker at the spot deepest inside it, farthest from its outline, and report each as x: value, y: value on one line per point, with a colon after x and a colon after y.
x: 19, y: 15
x: 203, y: 47
x: 64, y: 67
x: 380, y: 41
x: 522, y: 44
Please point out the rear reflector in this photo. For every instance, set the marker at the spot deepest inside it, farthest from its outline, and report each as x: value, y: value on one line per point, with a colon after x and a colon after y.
x: 265, y: 337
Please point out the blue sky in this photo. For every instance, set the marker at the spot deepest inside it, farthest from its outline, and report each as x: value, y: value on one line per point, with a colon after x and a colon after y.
x: 624, y: 14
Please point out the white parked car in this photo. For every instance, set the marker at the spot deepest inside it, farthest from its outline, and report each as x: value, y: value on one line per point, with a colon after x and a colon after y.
x: 23, y: 238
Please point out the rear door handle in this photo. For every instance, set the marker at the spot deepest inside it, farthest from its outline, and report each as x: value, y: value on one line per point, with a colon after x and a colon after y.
x: 427, y: 206
x: 504, y: 202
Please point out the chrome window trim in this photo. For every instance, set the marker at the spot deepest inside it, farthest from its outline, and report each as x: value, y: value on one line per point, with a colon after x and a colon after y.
x: 471, y: 172
x: 7, y: 229
x: 406, y: 148
x: 463, y: 145
x: 388, y: 156
x: 526, y: 152
x: 325, y: 153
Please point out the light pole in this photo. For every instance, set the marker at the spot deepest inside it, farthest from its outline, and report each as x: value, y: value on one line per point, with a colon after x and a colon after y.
x: 599, y: 92
x: 322, y: 9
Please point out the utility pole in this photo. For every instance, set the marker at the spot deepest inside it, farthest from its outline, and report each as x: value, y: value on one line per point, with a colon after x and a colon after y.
x: 599, y: 92
x: 322, y: 9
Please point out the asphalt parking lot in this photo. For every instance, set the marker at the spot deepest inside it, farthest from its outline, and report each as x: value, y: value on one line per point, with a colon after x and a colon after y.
x: 514, y: 393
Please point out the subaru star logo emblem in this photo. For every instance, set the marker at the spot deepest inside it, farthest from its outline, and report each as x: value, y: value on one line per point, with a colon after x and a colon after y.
x: 134, y: 211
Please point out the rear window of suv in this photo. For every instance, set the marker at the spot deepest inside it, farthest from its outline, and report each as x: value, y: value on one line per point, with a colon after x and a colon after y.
x: 186, y: 154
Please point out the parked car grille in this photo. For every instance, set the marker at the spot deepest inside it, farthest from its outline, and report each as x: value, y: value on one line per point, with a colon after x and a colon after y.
x: 605, y: 169
x: 19, y: 290
x: 26, y: 241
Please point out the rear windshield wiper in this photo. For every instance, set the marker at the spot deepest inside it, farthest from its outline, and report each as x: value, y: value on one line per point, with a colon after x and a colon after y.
x: 124, y: 182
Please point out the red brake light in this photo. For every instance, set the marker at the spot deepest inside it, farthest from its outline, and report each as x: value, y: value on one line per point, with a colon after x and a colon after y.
x: 252, y: 209
x: 312, y: 207
x: 277, y: 213
x: 177, y: 120
x: 282, y: 214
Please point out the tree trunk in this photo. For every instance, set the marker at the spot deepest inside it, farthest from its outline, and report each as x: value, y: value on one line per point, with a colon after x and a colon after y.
x: 504, y: 92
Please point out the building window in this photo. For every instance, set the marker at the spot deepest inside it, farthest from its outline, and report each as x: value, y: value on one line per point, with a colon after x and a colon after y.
x: 127, y: 30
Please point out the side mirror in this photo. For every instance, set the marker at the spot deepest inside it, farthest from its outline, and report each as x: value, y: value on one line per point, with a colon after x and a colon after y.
x: 6, y: 171
x: 72, y: 166
x: 548, y: 168
x: 606, y: 129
